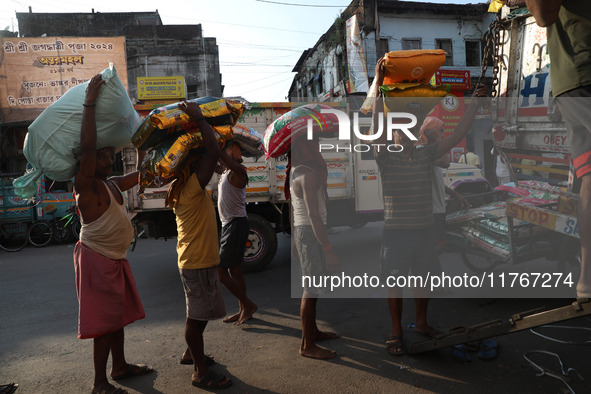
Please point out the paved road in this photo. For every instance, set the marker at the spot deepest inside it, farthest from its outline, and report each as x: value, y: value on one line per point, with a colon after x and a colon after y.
x: 39, y: 349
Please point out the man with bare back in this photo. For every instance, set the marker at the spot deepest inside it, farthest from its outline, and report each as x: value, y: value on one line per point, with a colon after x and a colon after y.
x: 307, y: 185
x: 107, y: 294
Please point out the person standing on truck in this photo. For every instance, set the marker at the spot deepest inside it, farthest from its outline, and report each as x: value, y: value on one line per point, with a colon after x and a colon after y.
x: 197, y: 248
x: 409, y: 234
x: 107, y: 294
x: 235, y: 229
x: 306, y: 189
x: 568, y: 25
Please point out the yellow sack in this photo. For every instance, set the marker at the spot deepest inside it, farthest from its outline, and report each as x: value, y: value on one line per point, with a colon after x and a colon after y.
x: 217, y: 113
x: 418, y: 99
x: 163, y: 122
x: 177, y: 153
x: 414, y: 90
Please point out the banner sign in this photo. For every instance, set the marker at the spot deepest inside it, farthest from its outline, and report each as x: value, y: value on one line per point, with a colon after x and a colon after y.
x: 458, y: 79
x: 156, y: 88
x: 36, y: 71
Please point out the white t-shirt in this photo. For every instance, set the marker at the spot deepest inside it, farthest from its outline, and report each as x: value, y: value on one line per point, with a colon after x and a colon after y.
x: 502, y: 169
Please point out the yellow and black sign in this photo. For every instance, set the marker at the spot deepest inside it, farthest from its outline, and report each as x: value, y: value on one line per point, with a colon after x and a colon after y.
x: 154, y: 88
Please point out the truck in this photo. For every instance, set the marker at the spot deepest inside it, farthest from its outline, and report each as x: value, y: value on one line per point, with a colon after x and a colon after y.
x: 354, y: 188
x: 527, y: 126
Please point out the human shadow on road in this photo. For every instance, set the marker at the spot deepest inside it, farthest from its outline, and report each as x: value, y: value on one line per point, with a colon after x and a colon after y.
x: 143, y: 384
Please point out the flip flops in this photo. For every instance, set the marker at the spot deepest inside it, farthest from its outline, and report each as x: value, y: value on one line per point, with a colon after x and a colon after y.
x: 8, y: 388
x: 460, y: 353
x: 488, y: 350
x: 394, y: 345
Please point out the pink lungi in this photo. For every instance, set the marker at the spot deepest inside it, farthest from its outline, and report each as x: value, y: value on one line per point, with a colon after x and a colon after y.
x: 107, y: 297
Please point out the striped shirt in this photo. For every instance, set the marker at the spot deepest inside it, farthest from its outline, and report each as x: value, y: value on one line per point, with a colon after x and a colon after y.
x: 406, y: 185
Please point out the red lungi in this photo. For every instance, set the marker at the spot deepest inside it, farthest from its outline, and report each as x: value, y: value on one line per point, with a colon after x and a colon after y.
x: 107, y: 296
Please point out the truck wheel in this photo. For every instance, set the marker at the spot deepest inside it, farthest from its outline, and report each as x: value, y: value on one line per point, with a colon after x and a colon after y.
x: 261, y: 244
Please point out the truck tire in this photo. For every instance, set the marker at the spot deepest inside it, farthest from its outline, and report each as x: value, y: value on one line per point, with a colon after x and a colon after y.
x: 261, y: 244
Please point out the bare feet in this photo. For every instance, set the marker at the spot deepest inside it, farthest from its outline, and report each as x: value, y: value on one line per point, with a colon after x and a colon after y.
x: 246, y: 314
x: 318, y: 353
x: 232, y: 318
x: 325, y: 335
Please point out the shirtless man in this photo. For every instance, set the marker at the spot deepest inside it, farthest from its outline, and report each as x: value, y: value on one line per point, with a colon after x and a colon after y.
x: 107, y: 295
x: 308, y: 199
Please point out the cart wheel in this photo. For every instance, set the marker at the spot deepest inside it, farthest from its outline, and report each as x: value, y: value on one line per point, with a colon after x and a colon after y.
x: 13, y: 235
x: 40, y: 233
x: 479, y: 262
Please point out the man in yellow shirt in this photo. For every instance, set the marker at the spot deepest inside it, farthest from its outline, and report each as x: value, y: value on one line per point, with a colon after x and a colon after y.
x: 197, y: 248
x: 469, y: 157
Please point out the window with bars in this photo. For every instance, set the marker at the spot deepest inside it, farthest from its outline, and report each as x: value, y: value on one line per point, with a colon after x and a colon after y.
x: 445, y: 44
x: 473, y: 53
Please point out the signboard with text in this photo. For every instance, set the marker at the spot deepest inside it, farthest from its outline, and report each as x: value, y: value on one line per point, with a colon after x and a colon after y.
x: 457, y: 79
x: 155, y: 88
x: 36, y: 71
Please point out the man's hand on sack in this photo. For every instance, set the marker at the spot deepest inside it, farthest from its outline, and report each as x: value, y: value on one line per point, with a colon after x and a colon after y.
x: 192, y: 109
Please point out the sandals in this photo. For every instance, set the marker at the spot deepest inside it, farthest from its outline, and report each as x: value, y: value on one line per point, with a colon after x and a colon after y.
x: 394, y: 345
x: 8, y: 388
x: 211, y: 381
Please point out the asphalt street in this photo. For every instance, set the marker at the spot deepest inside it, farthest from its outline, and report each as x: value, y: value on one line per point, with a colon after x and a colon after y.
x: 39, y: 349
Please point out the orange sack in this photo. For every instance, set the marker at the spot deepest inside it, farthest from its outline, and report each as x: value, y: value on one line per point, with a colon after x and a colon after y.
x: 414, y: 66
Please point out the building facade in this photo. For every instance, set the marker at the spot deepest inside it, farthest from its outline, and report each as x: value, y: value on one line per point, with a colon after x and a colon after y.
x: 391, y: 25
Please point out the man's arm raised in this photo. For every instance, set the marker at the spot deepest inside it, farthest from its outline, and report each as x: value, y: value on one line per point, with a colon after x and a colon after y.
x: 84, y: 180
x: 209, y: 162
